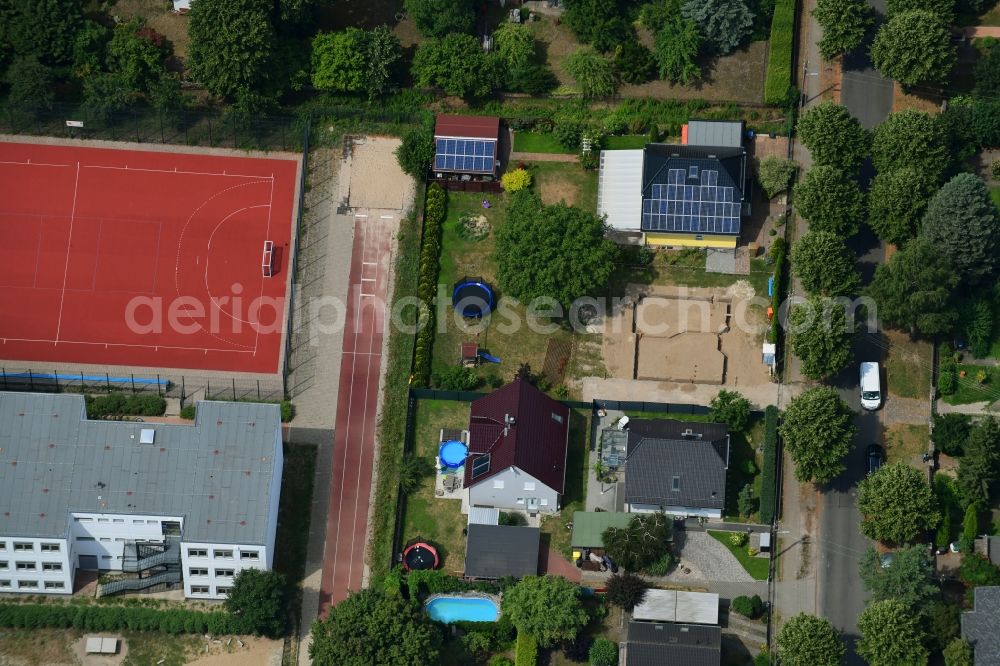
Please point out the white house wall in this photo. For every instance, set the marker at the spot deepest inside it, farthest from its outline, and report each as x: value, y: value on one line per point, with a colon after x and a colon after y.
x: 104, y: 535
x: 680, y: 511
x: 514, y: 489
x: 43, y: 577
x: 206, y: 576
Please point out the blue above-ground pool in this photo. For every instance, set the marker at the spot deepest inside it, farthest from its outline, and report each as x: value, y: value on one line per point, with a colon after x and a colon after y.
x: 467, y: 609
x: 452, y: 453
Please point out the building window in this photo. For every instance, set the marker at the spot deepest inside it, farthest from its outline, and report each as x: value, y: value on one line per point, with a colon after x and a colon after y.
x: 27, y: 584
x: 222, y: 590
x: 51, y: 566
x: 224, y: 573
x: 199, y: 589
x: 138, y: 522
x: 197, y: 552
x: 51, y: 548
x: 20, y: 546
x: 83, y: 519
x: 197, y: 571
x: 4, y: 565
x: 498, y: 484
x: 520, y: 500
x: 119, y: 520
x: 4, y: 583
x: 105, y: 539
x: 675, y: 484
x: 152, y: 522
x: 105, y: 557
x: 85, y: 538
x: 557, y: 417
x: 25, y: 566
x: 544, y: 501
x: 222, y: 554
x: 103, y: 520
x: 249, y: 555
x: 529, y: 485
x: 54, y: 585
x: 3, y: 545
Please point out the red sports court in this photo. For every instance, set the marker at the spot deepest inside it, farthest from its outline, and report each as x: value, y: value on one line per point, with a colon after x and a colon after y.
x: 141, y: 258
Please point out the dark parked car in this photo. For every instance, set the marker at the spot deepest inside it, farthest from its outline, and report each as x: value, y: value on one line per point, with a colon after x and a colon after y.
x: 875, y: 456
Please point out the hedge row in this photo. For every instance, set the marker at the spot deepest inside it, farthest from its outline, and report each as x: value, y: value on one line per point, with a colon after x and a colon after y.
x: 120, y: 618
x: 779, y: 55
x: 525, y: 650
x: 778, y: 256
x: 125, y: 404
x: 435, y: 209
x: 769, y: 468
x: 423, y: 582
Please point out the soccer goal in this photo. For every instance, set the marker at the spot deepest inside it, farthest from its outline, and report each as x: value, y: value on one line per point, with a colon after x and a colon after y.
x: 267, y: 260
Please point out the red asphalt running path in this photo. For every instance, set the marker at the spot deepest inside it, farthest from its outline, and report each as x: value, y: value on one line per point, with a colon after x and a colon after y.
x: 354, y: 435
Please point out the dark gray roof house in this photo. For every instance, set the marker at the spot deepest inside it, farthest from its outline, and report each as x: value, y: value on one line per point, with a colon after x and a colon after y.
x: 981, y: 626
x: 656, y: 644
x: 495, y: 551
x: 677, y: 467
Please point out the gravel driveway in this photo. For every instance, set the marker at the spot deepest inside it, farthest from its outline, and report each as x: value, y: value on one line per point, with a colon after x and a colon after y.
x: 707, y: 557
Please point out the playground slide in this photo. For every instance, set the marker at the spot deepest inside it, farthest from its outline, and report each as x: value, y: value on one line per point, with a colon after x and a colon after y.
x: 490, y: 358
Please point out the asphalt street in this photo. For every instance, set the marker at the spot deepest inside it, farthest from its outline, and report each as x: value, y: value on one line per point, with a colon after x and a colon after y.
x: 864, y: 91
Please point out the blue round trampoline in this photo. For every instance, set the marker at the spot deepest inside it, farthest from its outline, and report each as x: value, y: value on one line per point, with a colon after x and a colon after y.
x: 452, y: 453
x: 473, y: 298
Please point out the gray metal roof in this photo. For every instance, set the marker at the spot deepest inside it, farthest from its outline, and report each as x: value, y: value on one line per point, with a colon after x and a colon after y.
x: 661, y: 450
x: 216, y: 474
x: 619, y: 190
x: 678, y: 606
x: 981, y: 626
x: 727, y: 133
x: 495, y: 551
x: 655, y: 644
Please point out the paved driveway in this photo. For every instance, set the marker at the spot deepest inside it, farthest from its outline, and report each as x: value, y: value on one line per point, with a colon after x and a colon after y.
x: 701, y: 553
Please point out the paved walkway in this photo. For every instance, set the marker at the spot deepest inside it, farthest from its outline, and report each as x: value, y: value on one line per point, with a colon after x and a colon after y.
x: 516, y: 156
x: 973, y: 32
x: 760, y: 395
x: 972, y: 408
x: 552, y: 562
x: 915, y: 411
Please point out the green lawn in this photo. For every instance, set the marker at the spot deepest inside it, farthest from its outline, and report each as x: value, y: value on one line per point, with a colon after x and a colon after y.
x: 755, y: 566
x: 575, y: 497
x: 969, y: 388
x: 908, y: 366
x: 439, y: 521
x: 537, y: 142
x: 687, y: 268
x: 565, y: 181
x: 626, y: 142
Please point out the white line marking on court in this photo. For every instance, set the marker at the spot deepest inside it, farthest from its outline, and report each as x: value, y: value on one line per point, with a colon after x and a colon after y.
x: 386, y: 217
x: 130, y: 345
x: 175, y: 170
x: 369, y: 263
x: 267, y: 235
x: 362, y: 216
x: 69, y: 244
x: 367, y: 279
x: 30, y: 163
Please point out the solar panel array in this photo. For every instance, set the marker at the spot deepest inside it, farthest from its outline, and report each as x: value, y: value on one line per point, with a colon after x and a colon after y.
x: 472, y: 155
x: 702, y: 207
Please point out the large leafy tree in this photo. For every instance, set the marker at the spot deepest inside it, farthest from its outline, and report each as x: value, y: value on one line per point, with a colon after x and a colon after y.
x: 943, y: 8
x: 625, y: 590
x: 355, y: 60
x: 830, y: 200
x: 909, y: 579
x: 644, y: 541
x: 724, y: 24
x: 824, y: 265
x: 456, y: 64
x: 964, y: 224
x: 833, y: 136
x: 914, y: 290
x: 914, y: 47
x: 556, y: 251
x: 818, y: 430
x: 45, y: 29
x: 137, y: 53
x: 980, y: 467
x: 547, y: 607
x: 845, y: 24
x: 958, y: 653
x: 731, y: 408
x: 416, y: 152
x: 514, y: 44
x: 232, y: 44
x: 593, y: 73
x: 440, y: 18
x: 31, y: 85
x: 891, y: 635
x: 807, y: 640
x: 258, y: 599
x: 914, y: 139
x: 896, y: 504
x: 598, y: 22
x: 375, y: 628
x: 987, y: 72
x: 821, y: 336
x: 676, y: 50
x: 897, y: 201
x: 775, y: 174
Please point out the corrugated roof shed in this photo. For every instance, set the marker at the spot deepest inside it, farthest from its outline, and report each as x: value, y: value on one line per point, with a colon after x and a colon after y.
x: 723, y: 133
x: 216, y: 474
x: 470, y: 127
x: 484, y: 515
x: 588, y: 526
x: 678, y: 606
x: 619, y: 188
x: 495, y: 551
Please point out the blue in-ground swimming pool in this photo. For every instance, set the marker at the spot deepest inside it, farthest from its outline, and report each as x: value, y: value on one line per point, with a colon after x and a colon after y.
x: 468, y: 609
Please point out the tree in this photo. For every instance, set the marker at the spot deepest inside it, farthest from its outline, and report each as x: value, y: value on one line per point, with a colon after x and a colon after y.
x: 515, y: 180
x: 987, y: 71
x: 821, y: 336
x: 45, y: 29
x: 833, y: 136
x: 412, y: 471
x: 676, y: 48
x: 136, y: 54
x: 891, y: 635
x: 416, y: 152
x: 731, y: 408
x: 640, y: 543
x: 556, y: 251
x: 634, y: 63
x: 830, y: 200
x: 976, y: 571
x: 231, y: 47
x: 604, y: 652
x: 625, y: 590
x: 89, y: 49
x: 913, y: 290
x: 897, y: 201
x: 338, y: 60
x: 455, y: 63
x: 746, y: 502
x: 593, y: 73
x: 597, y: 22
x: 912, y: 138
x: 896, y: 504
x: 942, y: 8
x: 909, y: 579
x: 103, y: 95
x: 980, y: 466
x: 970, y: 527
x: 440, y: 18
x: 963, y: 223
x: 258, y: 599
x: 950, y: 433
x: 383, y: 52
x: 818, y: 429
x: 942, y: 619
x: 31, y: 85
x: 845, y: 24
x: 547, y: 607
x: 774, y: 174
x: 514, y: 44
x: 958, y: 653
x: 750, y: 607
x: 914, y: 47
x: 806, y: 640
x: 724, y: 24
x: 824, y: 265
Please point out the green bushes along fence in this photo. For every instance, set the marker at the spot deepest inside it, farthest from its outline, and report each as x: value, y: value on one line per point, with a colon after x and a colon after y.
x: 526, y: 650
x: 778, y: 252
x: 779, y: 56
x: 120, y: 618
x: 769, y: 468
x: 120, y: 404
x: 435, y: 209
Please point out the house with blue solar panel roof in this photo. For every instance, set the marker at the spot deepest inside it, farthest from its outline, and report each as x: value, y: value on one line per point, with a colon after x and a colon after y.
x: 691, y: 194
x: 466, y: 147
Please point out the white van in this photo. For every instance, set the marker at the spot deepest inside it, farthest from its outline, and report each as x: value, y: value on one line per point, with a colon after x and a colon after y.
x: 871, y: 386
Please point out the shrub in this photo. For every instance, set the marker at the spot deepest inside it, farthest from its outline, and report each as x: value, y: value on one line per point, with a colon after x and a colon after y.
x: 660, y: 567
x: 625, y: 590
x: 113, y: 618
x: 188, y: 412
x: 779, y: 57
x: 731, y: 408
x: 947, y: 371
x: 769, y: 469
x: 525, y: 650
x: 118, y: 404
x: 774, y: 174
x: 950, y: 433
x: 603, y: 652
x: 435, y: 209
x: 738, y: 539
x: 287, y: 411
x: 947, y: 497
x: 456, y: 378
x: 500, y: 660
x: 778, y: 253
x: 751, y: 607
x: 746, y: 501
x: 412, y: 470
x: 515, y: 180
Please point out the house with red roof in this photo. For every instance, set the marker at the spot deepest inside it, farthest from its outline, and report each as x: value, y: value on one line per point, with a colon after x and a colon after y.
x: 466, y: 147
x: 518, y: 438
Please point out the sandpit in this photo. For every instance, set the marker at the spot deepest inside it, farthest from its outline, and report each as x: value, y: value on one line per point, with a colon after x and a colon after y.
x: 663, y: 316
x: 693, y: 358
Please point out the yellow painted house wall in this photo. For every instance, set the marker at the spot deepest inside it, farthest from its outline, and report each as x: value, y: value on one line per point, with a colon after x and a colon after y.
x: 690, y: 240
